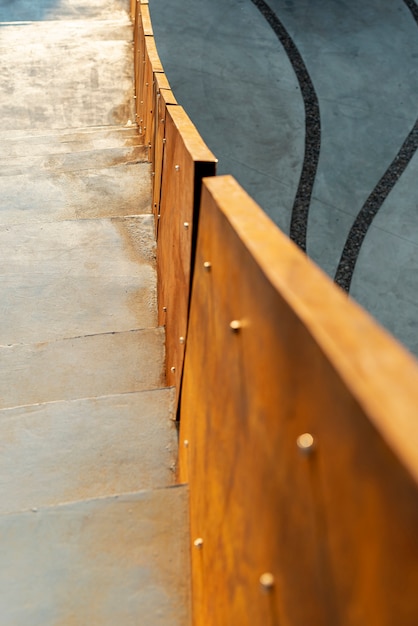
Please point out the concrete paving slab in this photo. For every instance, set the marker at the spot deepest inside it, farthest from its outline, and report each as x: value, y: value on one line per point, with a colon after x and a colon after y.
x: 67, y: 451
x: 28, y: 143
x: 104, y: 192
x: 121, y: 560
x: 55, y: 75
x: 70, y: 162
x: 28, y: 10
x: 64, y: 279
x: 81, y: 367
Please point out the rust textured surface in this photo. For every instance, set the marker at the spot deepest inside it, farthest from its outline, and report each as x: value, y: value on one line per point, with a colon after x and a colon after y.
x: 334, y: 524
x: 139, y: 67
x: 163, y: 97
x: 152, y: 66
x: 186, y: 160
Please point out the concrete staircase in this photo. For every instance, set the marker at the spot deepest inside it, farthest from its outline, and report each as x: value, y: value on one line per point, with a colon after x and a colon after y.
x: 93, y: 530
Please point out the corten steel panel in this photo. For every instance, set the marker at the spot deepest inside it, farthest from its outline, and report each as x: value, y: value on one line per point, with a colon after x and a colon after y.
x: 143, y: 29
x: 152, y: 67
x: 186, y: 160
x: 146, y: 19
x: 336, y: 524
x: 164, y: 97
x: 134, y: 5
x: 139, y: 63
x: 155, y: 118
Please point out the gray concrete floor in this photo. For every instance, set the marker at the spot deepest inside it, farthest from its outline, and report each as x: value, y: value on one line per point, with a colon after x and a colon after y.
x: 85, y: 418
x: 241, y: 85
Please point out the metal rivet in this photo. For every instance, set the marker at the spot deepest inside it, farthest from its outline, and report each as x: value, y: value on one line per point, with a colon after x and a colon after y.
x: 207, y: 265
x: 267, y: 581
x: 173, y: 369
x: 158, y: 216
x: 134, y: 97
x: 181, y: 340
x: 164, y: 141
x: 305, y: 442
x: 152, y: 174
x: 162, y: 121
x: 235, y: 325
x: 186, y: 443
x: 186, y: 225
x: 198, y: 543
x: 146, y: 84
x: 177, y: 168
x: 164, y: 307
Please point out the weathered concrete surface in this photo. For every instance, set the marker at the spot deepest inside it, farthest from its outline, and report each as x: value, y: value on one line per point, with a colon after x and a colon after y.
x: 83, y: 411
x: 60, y: 75
x: 81, y: 367
x: 63, y: 279
x: 28, y: 10
x: 68, y: 162
x: 77, y: 194
x: 68, y: 451
x: 43, y: 142
x: 120, y: 560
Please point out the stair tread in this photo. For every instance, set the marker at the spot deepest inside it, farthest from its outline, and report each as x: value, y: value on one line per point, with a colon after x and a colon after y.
x: 73, y: 450
x: 69, y: 161
x: 81, y: 367
x: 63, y: 75
x: 116, y: 560
x: 14, y: 144
x: 92, y: 529
x: 62, y: 279
x: 28, y: 10
x: 96, y: 192
x: 61, y: 135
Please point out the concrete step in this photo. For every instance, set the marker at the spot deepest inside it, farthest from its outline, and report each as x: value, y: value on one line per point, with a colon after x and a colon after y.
x: 81, y: 277
x: 79, y: 194
x: 66, y: 451
x: 70, y: 162
x: 81, y: 367
x: 120, y: 560
x: 28, y: 10
x: 18, y: 143
x: 66, y: 75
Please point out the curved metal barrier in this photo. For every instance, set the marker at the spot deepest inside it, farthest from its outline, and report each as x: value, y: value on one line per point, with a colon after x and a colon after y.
x: 298, y: 430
